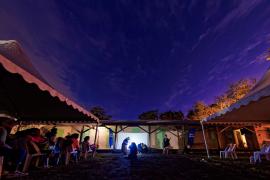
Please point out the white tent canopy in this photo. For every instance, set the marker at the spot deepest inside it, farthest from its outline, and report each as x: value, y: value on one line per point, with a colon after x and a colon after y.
x: 253, y: 108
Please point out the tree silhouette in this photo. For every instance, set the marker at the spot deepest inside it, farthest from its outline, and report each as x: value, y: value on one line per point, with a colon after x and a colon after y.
x: 234, y: 93
x: 172, y: 115
x: 100, y: 113
x: 149, y: 115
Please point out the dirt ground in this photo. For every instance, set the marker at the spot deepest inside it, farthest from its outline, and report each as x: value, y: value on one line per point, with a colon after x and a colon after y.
x: 153, y: 166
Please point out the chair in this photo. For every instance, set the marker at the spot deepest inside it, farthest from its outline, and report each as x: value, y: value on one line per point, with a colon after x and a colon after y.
x: 29, y: 156
x: 222, y: 153
x: 68, y: 156
x: 231, y: 152
x: 265, y: 150
x: 85, y: 155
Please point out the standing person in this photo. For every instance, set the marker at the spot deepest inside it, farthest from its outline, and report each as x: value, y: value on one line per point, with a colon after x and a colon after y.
x: 75, y: 142
x: 124, y: 146
x: 51, y: 136
x: 85, y: 146
x: 166, y: 144
x: 75, y: 146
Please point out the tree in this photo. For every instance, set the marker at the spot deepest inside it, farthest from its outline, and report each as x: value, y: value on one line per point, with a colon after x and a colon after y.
x: 172, y: 115
x: 149, y: 115
x: 234, y: 93
x: 100, y: 113
x: 191, y: 114
x: 239, y: 89
x: 199, y: 111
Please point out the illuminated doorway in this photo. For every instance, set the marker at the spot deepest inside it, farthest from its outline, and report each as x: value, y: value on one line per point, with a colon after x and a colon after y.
x: 240, y: 139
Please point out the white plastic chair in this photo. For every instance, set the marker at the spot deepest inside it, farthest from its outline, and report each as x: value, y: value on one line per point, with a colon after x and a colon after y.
x: 231, y: 152
x: 222, y: 153
x: 29, y: 156
x: 265, y: 150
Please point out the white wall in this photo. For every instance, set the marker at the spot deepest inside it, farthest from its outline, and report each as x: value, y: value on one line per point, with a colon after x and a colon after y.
x: 134, y: 137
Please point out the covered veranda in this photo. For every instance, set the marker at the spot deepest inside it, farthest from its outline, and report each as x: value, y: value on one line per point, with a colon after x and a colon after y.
x: 176, y: 129
x: 251, y: 112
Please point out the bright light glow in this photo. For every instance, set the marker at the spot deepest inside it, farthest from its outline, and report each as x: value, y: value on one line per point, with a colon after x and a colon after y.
x: 243, y: 137
x: 134, y: 137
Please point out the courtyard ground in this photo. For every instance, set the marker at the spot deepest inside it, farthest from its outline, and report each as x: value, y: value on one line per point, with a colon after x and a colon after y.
x: 154, y: 166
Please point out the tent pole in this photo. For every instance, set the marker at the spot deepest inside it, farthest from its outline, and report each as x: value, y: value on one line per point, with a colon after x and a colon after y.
x: 205, y: 143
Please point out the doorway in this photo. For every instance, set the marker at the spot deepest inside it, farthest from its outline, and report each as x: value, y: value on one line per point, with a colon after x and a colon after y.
x: 240, y: 139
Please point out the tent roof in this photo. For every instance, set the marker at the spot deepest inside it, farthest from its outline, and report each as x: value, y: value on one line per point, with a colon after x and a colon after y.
x: 26, y: 95
x: 253, y: 108
x: 149, y: 122
x: 12, y: 50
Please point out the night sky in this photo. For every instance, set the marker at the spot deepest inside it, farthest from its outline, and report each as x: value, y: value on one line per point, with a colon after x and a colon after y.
x: 131, y: 56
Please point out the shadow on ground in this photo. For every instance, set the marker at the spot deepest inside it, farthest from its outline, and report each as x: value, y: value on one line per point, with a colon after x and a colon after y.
x: 150, y: 166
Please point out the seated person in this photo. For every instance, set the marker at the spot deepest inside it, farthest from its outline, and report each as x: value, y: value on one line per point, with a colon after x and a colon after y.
x: 133, y: 151
x: 140, y: 149
x: 124, y: 146
x: 144, y: 148
x: 58, y: 150
x: 51, y: 137
x: 86, y: 144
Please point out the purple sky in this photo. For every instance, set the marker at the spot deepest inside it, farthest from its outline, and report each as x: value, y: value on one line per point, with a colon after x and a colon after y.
x: 133, y: 56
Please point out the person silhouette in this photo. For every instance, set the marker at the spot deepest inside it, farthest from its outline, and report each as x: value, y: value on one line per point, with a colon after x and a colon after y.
x: 124, y: 146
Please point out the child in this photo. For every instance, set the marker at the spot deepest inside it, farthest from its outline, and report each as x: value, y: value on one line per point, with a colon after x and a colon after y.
x: 133, y: 151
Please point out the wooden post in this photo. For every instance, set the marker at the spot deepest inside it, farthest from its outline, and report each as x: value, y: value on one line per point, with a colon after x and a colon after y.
x: 183, y: 137
x: 149, y: 136
x: 115, y: 137
x: 95, y: 140
x: 81, y: 134
x: 178, y: 140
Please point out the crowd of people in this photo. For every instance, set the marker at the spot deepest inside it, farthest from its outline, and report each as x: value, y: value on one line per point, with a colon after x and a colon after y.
x: 133, y: 149
x: 52, y: 150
